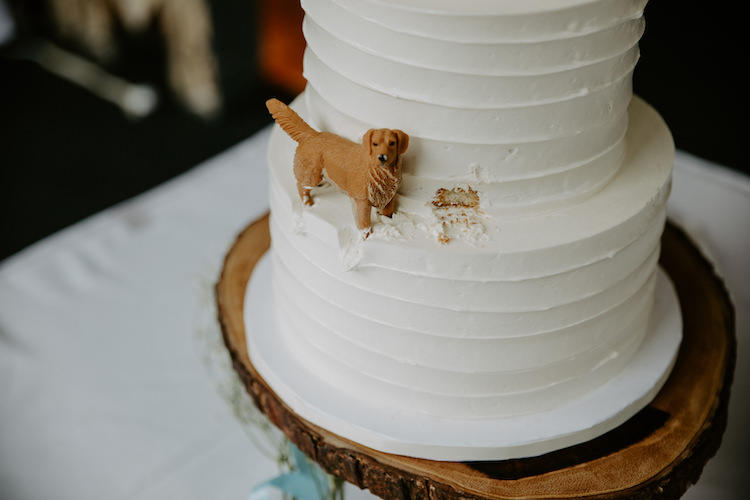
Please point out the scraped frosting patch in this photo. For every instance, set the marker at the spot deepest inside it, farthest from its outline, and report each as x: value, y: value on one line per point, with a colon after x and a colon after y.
x: 459, y: 214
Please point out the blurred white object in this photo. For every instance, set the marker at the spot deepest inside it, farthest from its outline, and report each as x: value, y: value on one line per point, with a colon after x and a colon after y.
x: 7, y: 27
x: 185, y: 25
x: 136, y: 101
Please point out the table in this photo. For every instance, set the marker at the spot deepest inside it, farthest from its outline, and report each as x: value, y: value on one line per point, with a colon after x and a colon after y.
x: 113, y: 380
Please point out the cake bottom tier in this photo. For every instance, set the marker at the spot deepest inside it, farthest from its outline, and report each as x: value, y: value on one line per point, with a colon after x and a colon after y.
x: 398, y: 431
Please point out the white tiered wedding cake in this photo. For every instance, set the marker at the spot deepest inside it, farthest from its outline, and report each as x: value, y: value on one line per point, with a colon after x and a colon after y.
x: 514, y: 285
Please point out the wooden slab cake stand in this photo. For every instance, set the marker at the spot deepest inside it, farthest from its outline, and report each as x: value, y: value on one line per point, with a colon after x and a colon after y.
x: 656, y: 454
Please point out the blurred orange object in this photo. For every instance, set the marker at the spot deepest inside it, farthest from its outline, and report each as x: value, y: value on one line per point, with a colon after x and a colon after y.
x: 281, y: 43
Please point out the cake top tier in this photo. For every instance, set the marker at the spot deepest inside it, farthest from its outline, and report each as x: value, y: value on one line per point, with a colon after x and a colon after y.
x: 522, y: 101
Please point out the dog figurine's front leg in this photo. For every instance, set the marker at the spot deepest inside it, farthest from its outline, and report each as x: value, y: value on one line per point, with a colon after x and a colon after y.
x: 364, y: 212
x: 389, y: 208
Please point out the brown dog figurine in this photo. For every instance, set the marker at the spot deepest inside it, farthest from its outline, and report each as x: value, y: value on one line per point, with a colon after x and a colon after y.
x: 370, y: 173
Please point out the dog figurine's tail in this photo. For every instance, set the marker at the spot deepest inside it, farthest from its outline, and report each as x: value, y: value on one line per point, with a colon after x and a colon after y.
x: 289, y: 121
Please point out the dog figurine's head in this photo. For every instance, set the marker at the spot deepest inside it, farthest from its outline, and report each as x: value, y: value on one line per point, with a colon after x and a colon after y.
x: 386, y: 145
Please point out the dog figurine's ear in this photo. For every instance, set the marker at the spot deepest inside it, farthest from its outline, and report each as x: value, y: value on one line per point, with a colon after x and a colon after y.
x: 367, y: 139
x: 403, y: 141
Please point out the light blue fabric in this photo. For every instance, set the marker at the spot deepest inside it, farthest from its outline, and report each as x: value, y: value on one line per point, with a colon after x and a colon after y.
x: 305, y: 482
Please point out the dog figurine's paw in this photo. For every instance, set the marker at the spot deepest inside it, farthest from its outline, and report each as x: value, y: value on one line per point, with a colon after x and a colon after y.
x: 365, y: 233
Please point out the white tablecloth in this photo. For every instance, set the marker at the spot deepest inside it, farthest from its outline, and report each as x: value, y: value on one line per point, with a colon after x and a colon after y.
x: 111, y: 377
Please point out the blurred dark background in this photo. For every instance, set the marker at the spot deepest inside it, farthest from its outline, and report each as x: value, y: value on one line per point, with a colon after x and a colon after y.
x: 66, y: 153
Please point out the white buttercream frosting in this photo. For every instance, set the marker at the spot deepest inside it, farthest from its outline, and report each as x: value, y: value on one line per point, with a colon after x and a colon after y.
x: 538, y: 289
